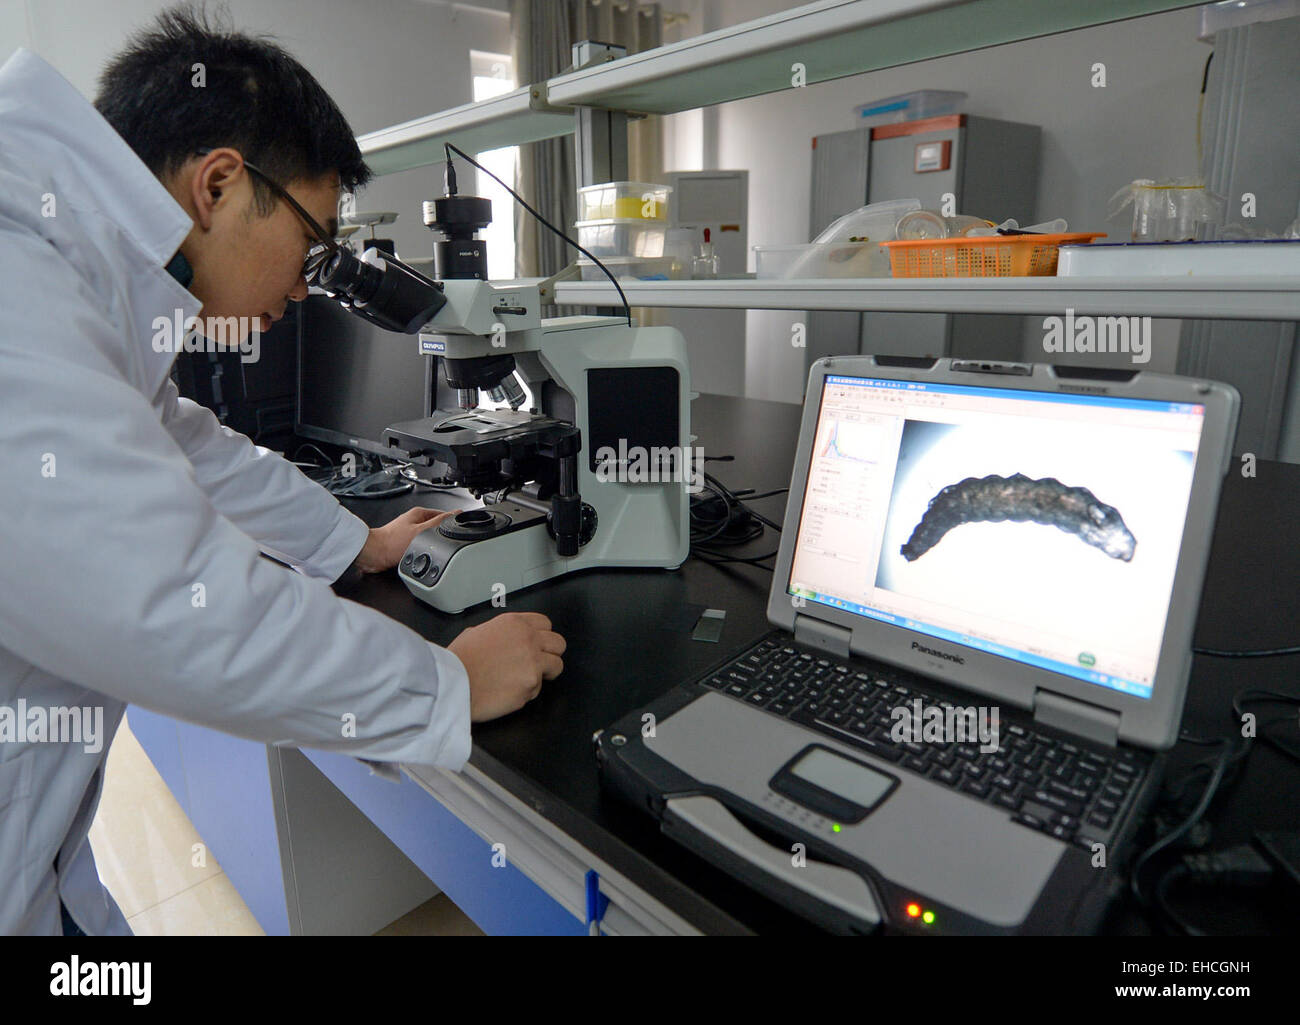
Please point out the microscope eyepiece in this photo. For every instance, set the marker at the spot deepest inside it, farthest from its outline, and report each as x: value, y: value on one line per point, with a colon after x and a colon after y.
x: 381, y: 289
x: 343, y: 272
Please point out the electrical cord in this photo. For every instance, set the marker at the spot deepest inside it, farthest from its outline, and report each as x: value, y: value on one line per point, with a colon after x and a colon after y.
x: 451, y: 191
x: 1251, y: 696
x: 1231, y: 753
x: 370, y: 486
x: 1248, y: 653
x: 1241, y: 866
x: 1160, y: 897
x: 345, y: 482
x: 720, y: 519
x: 1176, y: 790
x: 319, y: 452
x: 1191, y: 738
x: 1237, y: 866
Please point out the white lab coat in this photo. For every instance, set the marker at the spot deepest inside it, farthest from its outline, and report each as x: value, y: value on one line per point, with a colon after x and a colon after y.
x: 148, y: 497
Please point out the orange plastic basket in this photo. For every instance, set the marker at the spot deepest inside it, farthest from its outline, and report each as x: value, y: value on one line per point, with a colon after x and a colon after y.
x: 988, y: 256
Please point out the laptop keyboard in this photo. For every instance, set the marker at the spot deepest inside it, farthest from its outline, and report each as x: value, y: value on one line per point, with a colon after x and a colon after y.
x: 1043, y: 780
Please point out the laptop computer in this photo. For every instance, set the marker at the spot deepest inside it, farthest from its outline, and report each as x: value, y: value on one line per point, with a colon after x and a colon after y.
x: 983, y: 607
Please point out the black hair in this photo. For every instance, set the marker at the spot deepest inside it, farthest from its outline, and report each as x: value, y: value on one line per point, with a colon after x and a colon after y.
x: 185, y: 83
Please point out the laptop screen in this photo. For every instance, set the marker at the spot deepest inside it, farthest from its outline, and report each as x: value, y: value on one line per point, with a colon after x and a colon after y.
x: 1038, y: 526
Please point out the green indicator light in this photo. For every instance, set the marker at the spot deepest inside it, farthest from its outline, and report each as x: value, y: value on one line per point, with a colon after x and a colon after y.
x: 928, y: 918
x: 835, y: 826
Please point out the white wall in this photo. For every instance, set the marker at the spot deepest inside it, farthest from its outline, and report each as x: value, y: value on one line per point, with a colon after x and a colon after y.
x: 383, y: 61
x: 1143, y: 124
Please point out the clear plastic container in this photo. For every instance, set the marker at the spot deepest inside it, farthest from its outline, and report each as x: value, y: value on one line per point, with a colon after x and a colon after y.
x: 622, y: 236
x: 680, y: 246
x: 642, y: 201
x: 909, y: 107
x: 874, y: 222
x: 634, y: 268
x: 1169, y: 210
x: 931, y: 224
x: 822, y: 260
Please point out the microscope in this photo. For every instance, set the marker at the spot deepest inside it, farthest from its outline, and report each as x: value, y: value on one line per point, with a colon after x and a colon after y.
x: 583, y: 456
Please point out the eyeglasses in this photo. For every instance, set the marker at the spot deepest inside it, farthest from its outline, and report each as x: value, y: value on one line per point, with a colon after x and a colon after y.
x: 325, y: 244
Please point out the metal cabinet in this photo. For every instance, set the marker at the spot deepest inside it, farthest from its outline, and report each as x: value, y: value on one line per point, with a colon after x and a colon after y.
x: 989, y: 167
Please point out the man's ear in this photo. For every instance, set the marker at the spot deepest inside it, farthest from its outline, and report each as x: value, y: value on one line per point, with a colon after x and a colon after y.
x: 211, y: 178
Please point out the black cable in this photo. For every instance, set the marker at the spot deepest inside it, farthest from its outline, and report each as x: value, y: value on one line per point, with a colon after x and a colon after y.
x: 732, y: 498
x: 711, y: 532
x: 1160, y: 897
x: 1177, y: 833
x: 1174, y: 790
x: 1239, y: 867
x: 1241, y: 698
x: 320, y: 452
x: 712, y: 527
x: 717, y: 559
x: 450, y: 179
x: 1192, y: 739
x: 1248, y: 653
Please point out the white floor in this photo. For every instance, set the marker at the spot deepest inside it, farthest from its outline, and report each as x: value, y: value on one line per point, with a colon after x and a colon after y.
x: 158, y: 870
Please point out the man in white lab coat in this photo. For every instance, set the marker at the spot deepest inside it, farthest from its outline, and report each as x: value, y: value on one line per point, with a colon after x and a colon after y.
x: 131, y: 522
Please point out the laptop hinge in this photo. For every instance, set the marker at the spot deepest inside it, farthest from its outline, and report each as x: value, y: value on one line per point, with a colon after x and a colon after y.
x: 827, y: 637
x: 1077, y: 717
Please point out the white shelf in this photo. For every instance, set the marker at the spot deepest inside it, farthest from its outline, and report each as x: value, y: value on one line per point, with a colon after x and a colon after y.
x: 1261, y: 298
x: 506, y: 120
x: 831, y: 39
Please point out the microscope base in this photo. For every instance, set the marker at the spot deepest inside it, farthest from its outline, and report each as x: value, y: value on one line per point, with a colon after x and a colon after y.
x: 453, y: 574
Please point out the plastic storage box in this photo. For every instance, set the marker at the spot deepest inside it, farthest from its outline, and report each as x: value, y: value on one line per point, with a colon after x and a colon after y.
x: 822, y: 260
x: 909, y: 107
x: 643, y: 201
x: 622, y: 236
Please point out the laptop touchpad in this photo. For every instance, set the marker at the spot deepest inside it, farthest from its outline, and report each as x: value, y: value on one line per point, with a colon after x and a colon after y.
x: 919, y: 835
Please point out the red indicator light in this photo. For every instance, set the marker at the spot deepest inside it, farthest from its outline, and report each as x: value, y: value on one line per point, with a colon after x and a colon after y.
x: 913, y: 910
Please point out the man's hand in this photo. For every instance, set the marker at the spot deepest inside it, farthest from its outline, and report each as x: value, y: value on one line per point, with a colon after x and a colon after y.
x: 384, y: 548
x: 507, y: 658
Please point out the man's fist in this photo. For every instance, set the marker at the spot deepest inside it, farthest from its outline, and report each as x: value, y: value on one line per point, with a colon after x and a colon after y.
x: 507, y: 658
